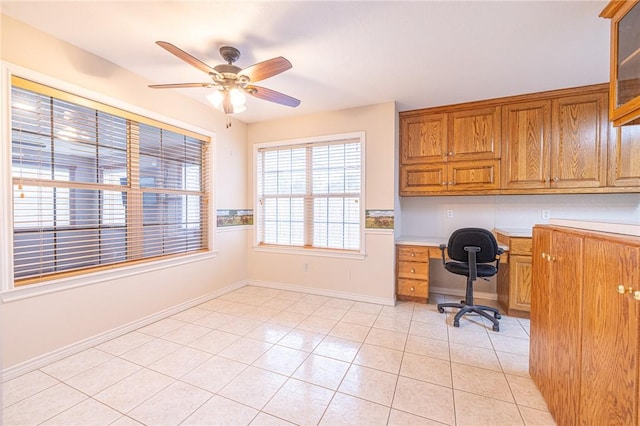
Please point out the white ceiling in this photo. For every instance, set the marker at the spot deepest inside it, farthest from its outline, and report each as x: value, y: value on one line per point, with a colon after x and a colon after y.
x: 346, y: 54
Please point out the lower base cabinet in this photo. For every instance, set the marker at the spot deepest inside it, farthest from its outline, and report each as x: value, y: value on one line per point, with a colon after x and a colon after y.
x: 585, y: 325
x: 412, y: 264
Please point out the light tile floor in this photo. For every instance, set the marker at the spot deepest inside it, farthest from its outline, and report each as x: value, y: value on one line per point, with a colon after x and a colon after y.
x: 262, y: 356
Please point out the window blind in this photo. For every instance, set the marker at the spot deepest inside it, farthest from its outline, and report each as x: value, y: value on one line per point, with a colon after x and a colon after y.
x: 309, y: 195
x: 95, y: 189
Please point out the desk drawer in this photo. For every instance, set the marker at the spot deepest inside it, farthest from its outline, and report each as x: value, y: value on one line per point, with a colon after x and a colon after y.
x: 413, y: 270
x: 413, y: 253
x: 413, y: 288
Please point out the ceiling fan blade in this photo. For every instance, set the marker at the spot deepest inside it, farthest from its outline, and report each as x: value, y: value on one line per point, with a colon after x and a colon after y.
x: 272, y: 96
x: 266, y: 69
x: 187, y: 57
x: 179, y: 85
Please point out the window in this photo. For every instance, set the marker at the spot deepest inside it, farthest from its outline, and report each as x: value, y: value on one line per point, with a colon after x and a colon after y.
x: 97, y: 187
x: 309, y: 193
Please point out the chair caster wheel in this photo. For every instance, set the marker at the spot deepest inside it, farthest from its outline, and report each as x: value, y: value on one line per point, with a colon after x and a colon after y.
x: 496, y: 328
x: 441, y: 310
x: 456, y: 323
x: 497, y: 316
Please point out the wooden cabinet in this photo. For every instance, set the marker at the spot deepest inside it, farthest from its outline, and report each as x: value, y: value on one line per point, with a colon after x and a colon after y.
x: 526, y: 140
x: 549, y: 142
x: 514, y: 277
x: 450, y: 152
x: 624, y: 156
x: 585, y: 334
x: 578, y: 141
x: 412, y: 273
x: 624, y: 104
x: 555, y: 143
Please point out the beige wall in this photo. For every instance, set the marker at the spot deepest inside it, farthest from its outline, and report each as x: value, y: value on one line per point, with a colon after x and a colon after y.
x: 372, y: 277
x: 38, y: 325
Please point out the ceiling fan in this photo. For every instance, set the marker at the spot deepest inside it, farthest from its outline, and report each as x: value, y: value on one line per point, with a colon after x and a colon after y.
x: 232, y: 82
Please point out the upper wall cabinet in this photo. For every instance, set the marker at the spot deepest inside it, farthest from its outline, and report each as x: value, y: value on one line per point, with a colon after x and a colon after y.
x: 558, y: 141
x: 555, y: 143
x: 453, y: 151
x: 624, y: 103
x: 578, y: 141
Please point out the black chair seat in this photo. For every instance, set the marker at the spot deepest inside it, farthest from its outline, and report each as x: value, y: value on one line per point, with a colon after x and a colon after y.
x: 484, y: 271
x: 472, y: 251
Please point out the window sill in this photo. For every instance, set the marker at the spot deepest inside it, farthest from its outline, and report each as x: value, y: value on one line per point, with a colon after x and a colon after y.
x: 310, y: 252
x: 67, y: 283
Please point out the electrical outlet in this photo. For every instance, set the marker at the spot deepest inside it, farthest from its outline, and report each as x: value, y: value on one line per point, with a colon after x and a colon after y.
x: 449, y: 213
x: 306, y: 267
x: 546, y: 214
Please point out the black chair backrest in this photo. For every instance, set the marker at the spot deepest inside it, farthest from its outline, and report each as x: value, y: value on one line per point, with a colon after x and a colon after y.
x: 476, y: 237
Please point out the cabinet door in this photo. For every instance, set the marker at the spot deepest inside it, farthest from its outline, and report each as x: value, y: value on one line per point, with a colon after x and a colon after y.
x: 520, y: 289
x: 423, y: 138
x: 526, y: 135
x: 610, y: 339
x: 624, y: 156
x: 540, y: 351
x: 473, y: 175
x: 421, y: 179
x: 474, y: 134
x: 578, y: 143
x: 565, y: 314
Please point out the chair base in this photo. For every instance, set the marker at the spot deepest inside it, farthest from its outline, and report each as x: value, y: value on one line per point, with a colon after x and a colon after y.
x: 478, y: 309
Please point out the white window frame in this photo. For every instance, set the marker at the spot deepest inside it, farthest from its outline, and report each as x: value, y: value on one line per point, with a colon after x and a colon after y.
x: 312, y: 251
x: 7, y: 290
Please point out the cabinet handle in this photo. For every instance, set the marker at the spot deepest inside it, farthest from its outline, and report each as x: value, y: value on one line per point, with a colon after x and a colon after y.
x: 636, y: 295
x: 547, y: 180
x: 555, y: 179
x: 413, y: 271
x: 414, y: 289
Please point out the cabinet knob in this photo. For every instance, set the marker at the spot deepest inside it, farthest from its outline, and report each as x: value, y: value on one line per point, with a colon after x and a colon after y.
x: 414, y: 289
x: 452, y: 183
x: 444, y: 183
x: 547, y: 180
x: 413, y: 254
x: 636, y: 295
x: 555, y: 179
x: 451, y: 153
x: 621, y: 289
x: 413, y: 271
x: 544, y: 255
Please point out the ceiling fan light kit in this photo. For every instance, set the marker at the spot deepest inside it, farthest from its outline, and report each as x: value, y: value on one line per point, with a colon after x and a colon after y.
x: 232, y: 82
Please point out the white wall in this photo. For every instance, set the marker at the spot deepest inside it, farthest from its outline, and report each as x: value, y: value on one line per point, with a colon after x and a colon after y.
x: 38, y: 325
x: 427, y: 217
x: 371, y: 278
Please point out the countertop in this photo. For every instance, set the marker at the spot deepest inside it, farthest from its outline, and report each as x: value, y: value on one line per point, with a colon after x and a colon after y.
x: 515, y: 232
x: 616, y: 228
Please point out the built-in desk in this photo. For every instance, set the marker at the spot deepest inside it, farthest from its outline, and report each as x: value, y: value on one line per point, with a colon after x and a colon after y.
x: 412, y: 264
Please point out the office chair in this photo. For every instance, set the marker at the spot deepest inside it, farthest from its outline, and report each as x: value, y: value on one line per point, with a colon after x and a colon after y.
x: 471, y: 251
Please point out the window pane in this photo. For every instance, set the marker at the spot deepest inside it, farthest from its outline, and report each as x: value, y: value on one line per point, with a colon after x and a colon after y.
x: 75, y: 204
x: 332, y: 218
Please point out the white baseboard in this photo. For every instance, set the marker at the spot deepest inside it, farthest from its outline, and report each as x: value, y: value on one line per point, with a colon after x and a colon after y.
x: 461, y: 292
x: 322, y: 292
x: 58, y: 354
